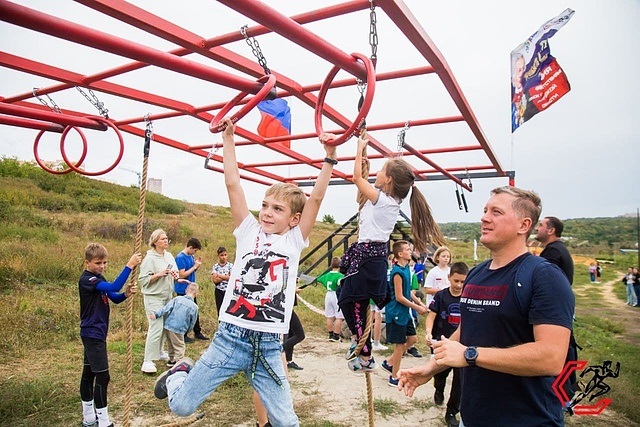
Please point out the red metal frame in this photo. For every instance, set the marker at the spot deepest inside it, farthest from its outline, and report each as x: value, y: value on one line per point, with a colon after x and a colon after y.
x: 20, y: 109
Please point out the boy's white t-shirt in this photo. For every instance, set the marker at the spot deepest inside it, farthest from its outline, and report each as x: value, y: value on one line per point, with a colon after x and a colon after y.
x: 262, y: 286
x: 437, y: 278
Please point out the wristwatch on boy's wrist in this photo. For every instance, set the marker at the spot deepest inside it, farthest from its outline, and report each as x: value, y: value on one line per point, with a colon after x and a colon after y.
x: 470, y: 355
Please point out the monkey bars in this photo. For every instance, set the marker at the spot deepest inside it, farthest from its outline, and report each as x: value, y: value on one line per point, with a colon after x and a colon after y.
x: 221, y: 67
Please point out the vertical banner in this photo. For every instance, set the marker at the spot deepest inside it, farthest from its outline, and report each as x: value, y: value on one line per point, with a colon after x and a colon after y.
x: 537, y: 81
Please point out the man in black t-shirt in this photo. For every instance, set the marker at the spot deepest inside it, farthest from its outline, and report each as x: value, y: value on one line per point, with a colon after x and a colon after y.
x: 548, y: 232
x: 509, y: 348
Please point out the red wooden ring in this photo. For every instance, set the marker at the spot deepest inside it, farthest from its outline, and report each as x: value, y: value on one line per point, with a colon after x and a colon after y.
x: 366, y: 105
x: 55, y: 172
x: 80, y: 171
x: 269, y: 81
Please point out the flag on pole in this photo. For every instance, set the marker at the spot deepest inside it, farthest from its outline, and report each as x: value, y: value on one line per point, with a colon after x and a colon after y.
x: 537, y: 81
x: 276, y: 119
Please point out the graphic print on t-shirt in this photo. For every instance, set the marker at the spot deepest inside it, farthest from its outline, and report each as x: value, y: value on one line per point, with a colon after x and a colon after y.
x: 476, y: 296
x: 259, y: 292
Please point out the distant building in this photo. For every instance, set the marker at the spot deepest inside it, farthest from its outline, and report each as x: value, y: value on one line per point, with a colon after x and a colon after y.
x: 155, y: 185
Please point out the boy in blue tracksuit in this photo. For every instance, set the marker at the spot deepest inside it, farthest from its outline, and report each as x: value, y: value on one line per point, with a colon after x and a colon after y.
x: 180, y: 314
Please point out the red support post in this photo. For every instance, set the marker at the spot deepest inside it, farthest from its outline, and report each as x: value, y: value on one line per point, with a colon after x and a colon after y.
x: 287, y: 27
x: 31, y: 124
x: 41, y: 22
x: 50, y: 116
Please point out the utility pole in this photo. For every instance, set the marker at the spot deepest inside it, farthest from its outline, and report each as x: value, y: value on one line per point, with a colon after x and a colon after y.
x: 136, y: 172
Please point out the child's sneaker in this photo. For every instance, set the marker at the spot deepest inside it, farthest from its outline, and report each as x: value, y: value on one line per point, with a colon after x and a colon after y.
x: 90, y: 424
x: 387, y: 367
x: 171, y: 363
x: 414, y: 352
x: 351, y: 353
x: 334, y: 337
x: 360, y: 365
x: 379, y: 347
x: 393, y: 382
x: 160, y: 388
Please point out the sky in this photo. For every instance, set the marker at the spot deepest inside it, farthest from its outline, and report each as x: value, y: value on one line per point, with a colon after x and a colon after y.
x: 581, y: 155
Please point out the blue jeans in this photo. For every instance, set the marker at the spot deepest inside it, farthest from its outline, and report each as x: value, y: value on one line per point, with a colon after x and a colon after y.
x: 632, y: 298
x: 235, y: 349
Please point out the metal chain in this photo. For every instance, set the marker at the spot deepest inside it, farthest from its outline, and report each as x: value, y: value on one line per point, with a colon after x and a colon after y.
x: 95, y: 102
x: 53, y: 107
x: 373, y: 33
x: 255, y: 49
x: 149, y: 124
x: 401, y: 136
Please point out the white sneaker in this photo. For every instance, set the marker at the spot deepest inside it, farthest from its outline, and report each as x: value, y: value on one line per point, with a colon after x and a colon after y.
x: 163, y: 355
x: 148, y: 367
x: 379, y: 347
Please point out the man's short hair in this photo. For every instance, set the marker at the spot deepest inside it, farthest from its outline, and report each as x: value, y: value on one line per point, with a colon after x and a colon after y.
x: 556, y: 224
x: 221, y: 249
x: 397, y: 246
x: 526, y: 204
x: 194, y: 243
x: 458, y: 268
x: 289, y: 193
x: 192, y: 287
x: 95, y: 251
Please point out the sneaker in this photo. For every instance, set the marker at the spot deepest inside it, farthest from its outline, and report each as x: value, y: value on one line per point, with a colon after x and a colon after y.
x: 88, y: 424
x: 359, y: 365
x: 202, y: 337
x: 393, y: 382
x: 148, y: 367
x: 164, y: 356
x: 387, y: 367
x: 171, y: 363
x: 438, y: 398
x: 334, y: 337
x: 160, y: 388
x: 379, y: 347
x: 414, y: 352
x: 351, y: 353
x: 294, y: 365
x: 451, y: 420
x: 188, y: 339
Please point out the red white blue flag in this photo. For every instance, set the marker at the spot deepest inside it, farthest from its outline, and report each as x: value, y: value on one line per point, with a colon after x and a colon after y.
x: 276, y: 119
x: 537, y: 81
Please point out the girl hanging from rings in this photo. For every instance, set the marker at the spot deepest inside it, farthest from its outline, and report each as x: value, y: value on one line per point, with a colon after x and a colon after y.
x: 365, y: 262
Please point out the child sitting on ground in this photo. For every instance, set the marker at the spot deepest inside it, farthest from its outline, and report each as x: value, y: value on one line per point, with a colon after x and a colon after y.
x: 258, y: 302
x: 401, y: 330
x: 442, y: 321
x: 180, y: 314
x: 95, y: 293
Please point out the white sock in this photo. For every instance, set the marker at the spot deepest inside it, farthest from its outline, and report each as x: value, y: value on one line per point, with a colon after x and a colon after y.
x: 376, y: 342
x: 88, y: 412
x: 103, y: 417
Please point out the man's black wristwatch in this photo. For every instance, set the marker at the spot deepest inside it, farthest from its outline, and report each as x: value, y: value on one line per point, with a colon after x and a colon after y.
x: 470, y: 355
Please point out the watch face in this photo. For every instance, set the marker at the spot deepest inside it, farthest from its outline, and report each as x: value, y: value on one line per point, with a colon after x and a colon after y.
x: 472, y: 353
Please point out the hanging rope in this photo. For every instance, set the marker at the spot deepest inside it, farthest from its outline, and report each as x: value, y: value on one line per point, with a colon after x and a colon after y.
x: 361, y: 343
x: 185, y: 421
x: 148, y: 136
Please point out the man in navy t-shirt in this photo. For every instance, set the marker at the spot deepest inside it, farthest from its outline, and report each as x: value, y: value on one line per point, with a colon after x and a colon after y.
x: 510, y: 355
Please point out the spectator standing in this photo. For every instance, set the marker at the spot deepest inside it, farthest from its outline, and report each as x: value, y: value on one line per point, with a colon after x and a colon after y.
x: 187, y: 265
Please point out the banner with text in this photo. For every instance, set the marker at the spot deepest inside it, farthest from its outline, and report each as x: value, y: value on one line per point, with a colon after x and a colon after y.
x: 537, y: 80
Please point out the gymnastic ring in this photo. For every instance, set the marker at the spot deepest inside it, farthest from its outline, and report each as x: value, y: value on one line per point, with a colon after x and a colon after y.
x: 269, y: 81
x: 120, y: 140
x: 366, y: 105
x: 55, y: 172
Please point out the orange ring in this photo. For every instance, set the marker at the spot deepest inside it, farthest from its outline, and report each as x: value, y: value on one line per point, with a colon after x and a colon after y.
x: 366, y: 105
x: 55, y: 172
x: 269, y: 81
x: 80, y: 171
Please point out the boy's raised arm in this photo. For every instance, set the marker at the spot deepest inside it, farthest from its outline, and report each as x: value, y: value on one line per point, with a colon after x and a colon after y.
x: 237, y: 200
x: 311, y: 208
